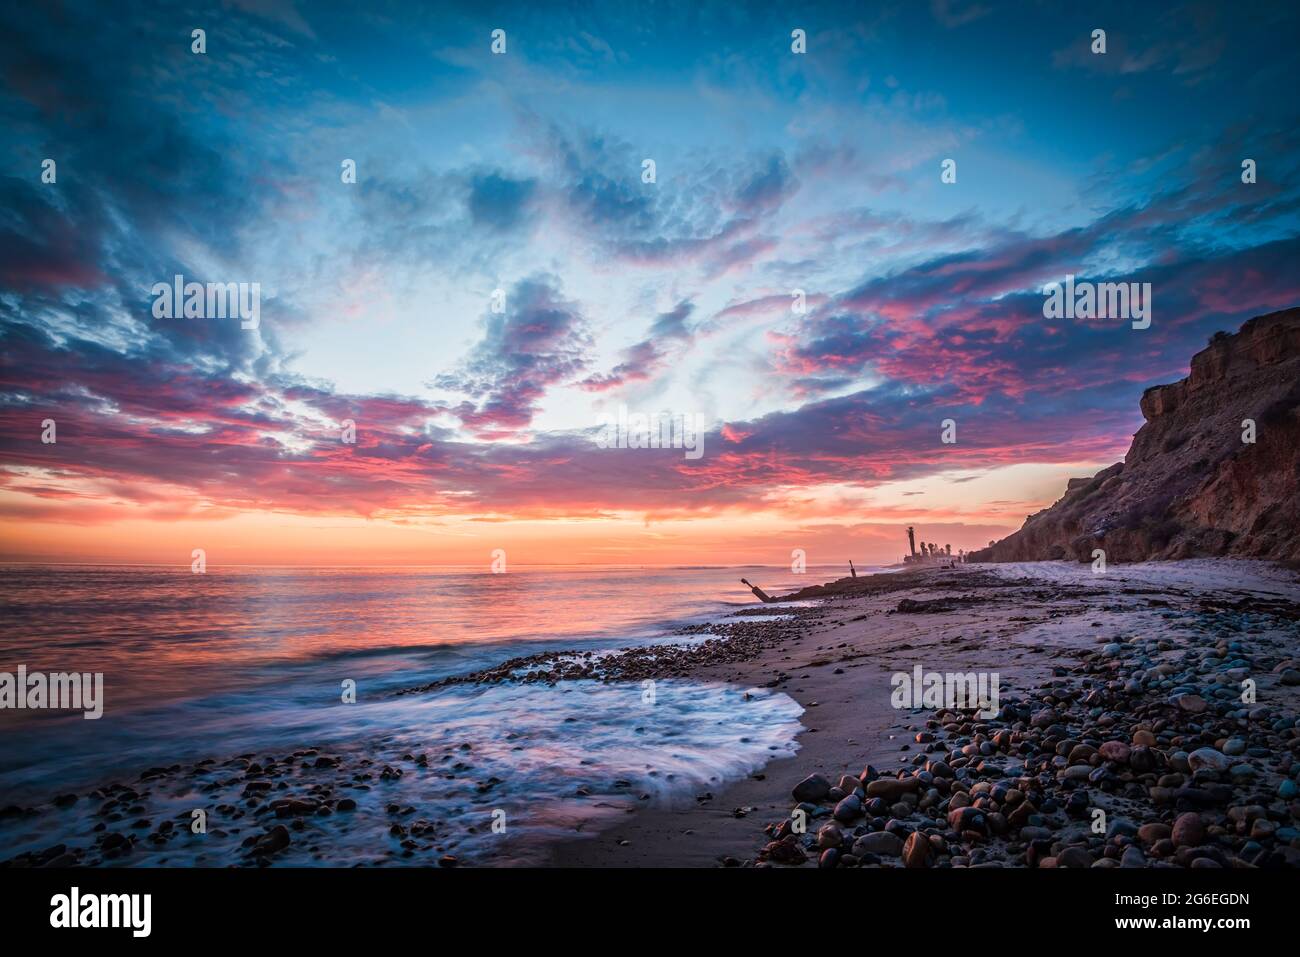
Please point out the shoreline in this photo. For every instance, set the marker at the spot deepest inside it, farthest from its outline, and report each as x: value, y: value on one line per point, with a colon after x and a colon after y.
x: 1074, y: 734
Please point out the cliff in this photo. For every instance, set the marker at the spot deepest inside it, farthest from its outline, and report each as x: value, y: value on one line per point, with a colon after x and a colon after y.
x: 1189, y: 485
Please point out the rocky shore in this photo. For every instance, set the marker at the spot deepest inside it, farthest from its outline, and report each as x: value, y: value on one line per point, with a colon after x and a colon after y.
x: 728, y: 641
x: 1161, y: 732
x: 1150, y: 751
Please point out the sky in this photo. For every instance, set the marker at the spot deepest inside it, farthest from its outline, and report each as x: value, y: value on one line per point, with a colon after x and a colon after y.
x: 504, y: 276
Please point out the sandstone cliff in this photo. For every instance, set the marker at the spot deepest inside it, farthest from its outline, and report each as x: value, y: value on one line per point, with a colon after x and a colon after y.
x: 1190, y: 486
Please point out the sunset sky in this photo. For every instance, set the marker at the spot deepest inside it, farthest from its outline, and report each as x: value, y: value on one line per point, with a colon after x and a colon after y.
x: 523, y: 172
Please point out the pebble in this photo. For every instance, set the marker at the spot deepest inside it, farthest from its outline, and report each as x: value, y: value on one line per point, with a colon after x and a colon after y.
x: 1208, y: 758
x: 1188, y: 831
x: 880, y: 843
x: 916, y: 850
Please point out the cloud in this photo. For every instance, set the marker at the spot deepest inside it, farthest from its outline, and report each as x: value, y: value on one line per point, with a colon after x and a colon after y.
x: 498, y: 202
x: 538, y: 341
x: 668, y: 335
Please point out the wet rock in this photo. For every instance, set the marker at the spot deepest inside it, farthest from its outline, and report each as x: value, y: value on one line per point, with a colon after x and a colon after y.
x: 276, y: 839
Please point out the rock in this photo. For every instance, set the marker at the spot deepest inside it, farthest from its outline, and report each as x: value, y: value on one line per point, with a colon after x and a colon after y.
x: 1188, y: 831
x: 276, y: 839
x: 848, y: 810
x: 784, y: 851
x: 1081, y: 753
x: 966, y: 819
x: 1043, y: 719
x: 292, y: 807
x: 1074, y: 857
x: 891, y: 789
x: 1133, y: 857
x: 1208, y: 758
x: 1142, y: 759
x: 1234, y: 746
x: 881, y: 843
x: 1120, y: 827
x: 814, y: 789
x: 1116, y: 751
x: 828, y: 836
x: 1262, y: 830
x: 916, y: 850
x: 1148, y: 834
x: 1191, y: 703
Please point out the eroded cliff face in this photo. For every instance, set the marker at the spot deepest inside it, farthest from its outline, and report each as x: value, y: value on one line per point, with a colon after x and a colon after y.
x: 1189, y: 485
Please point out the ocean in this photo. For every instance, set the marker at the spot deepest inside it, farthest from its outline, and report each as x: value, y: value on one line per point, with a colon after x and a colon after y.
x: 253, y: 662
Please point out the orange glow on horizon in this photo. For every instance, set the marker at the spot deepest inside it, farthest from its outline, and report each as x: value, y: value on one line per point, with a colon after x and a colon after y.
x: 831, y: 524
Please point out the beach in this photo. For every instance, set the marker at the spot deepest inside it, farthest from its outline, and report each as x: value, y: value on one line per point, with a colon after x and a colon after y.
x: 1033, y: 624
x: 686, y: 748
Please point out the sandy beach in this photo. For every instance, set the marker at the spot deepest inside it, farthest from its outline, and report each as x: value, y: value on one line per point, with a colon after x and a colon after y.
x: 1030, y: 623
